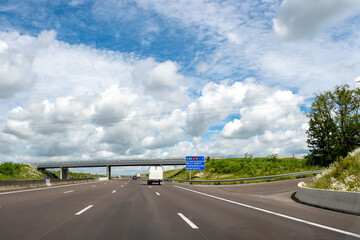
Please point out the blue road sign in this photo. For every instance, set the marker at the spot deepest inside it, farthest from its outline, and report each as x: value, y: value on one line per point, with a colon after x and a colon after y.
x: 195, y: 163
x: 195, y: 158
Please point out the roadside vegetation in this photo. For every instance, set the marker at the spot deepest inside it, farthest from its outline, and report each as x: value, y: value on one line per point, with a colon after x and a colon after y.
x: 12, y: 171
x: 334, y: 128
x: 343, y: 175
x: 235, y: 168
x: 78, y: 175
x: 84, y: 175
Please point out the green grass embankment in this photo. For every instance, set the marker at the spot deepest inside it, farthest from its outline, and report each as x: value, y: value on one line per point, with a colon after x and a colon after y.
x: 78, y: 175
x: 343, y: 175
x: 235, y: 168
x: 12, y: 171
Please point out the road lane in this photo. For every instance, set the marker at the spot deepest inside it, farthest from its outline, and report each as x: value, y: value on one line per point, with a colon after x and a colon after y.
x: 342, y: 232
x: 135, y: 212
x: 276, y: 197
x: 124, y: 209
x: 29, y: 214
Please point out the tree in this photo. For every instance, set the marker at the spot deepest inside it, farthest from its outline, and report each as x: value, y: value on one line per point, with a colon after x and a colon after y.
x: 334, y: 125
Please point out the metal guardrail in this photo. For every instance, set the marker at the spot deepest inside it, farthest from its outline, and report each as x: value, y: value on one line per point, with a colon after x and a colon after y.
x: 247, y: 179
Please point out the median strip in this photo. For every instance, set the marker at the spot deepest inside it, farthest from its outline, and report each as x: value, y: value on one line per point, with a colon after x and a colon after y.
x: 46, y: 188
x: 85, y: 209
x: 274, y: 213
x: 188, y: 221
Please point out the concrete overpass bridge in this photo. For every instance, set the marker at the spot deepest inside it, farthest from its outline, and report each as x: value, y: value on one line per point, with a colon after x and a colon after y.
x: 65, y: 165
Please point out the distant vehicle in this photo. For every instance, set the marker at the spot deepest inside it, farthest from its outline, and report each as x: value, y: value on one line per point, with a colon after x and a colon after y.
x: 138, y: 175
x: 71, y: 177
x: 44, y: 178
x: 134, y: 177
x: 155, y: 174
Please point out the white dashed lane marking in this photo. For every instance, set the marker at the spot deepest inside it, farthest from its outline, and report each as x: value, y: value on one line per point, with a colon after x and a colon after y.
x: 85, y: 209
x: 188, y: 221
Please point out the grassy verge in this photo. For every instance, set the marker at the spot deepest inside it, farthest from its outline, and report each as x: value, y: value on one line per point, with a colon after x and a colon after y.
x: 77, y: 175
x: 343, y: 175
x: 235, y: 168
x: 12, y: 171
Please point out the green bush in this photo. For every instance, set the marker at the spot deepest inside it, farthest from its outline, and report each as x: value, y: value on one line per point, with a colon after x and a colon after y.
x: 343, y: 175
x: 10, y: 169
x: 13, y: 171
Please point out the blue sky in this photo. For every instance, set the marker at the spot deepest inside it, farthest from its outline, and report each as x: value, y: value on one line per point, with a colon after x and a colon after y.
x: 113, y: 79
x: 126, y: 28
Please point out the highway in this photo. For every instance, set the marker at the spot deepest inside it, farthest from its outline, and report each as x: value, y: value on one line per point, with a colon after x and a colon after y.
x: 130, y: 209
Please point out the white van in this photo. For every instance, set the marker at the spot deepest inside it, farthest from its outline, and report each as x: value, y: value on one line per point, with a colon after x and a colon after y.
x: 155, y: 174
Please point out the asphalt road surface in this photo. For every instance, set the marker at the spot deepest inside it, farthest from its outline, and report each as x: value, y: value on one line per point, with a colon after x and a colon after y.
x: 130, y: 209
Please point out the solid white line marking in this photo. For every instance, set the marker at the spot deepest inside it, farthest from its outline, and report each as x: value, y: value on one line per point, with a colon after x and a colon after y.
x: 188, y: 221
x: 69, y: 191
x: 158, y: 193
x: 275, y: 213
x: 114, y: 191
x: 85, y: 209
x: 93, y: 186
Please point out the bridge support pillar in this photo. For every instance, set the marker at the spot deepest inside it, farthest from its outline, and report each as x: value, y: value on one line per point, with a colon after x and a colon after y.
x: 108, y: 172
x: 63, y: 172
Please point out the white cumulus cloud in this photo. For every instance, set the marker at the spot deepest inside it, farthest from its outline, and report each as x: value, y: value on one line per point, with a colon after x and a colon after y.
x: 86, y: 103
x: 216, y: 102
x: 272, y: 110
x: 304, y: 18
x: 15, y: 65
x: 161, y: 80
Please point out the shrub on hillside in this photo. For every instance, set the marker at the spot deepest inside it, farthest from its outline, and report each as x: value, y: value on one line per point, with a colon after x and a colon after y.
x: 343, y: 175
x: 9, y: 168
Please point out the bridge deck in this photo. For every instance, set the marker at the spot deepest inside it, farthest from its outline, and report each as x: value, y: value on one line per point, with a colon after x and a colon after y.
x: 105, y: 163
